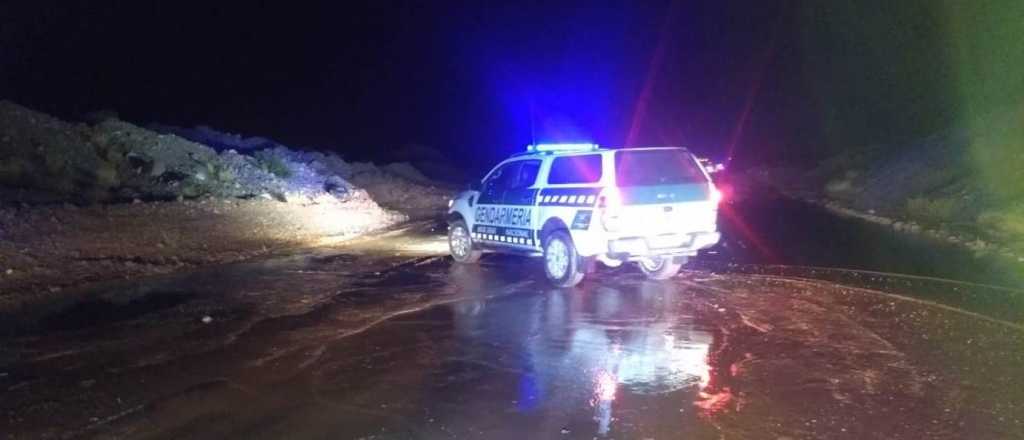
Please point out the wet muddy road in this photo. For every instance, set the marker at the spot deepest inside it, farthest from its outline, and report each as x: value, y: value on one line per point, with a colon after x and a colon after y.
x: 384, y: 339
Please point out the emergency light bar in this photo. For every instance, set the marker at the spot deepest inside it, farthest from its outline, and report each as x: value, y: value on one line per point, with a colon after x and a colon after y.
x: 560, y: 147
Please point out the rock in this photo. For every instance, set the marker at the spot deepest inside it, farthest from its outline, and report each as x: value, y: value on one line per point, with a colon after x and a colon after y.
x: 838, y: 186
x: 207, y: 319
x: 9, y: 272
x: 337, y: 187
x: 159, y: 168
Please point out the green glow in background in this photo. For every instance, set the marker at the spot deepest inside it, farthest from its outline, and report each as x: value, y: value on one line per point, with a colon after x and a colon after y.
x: 987, y: 52
x: 883, y: 75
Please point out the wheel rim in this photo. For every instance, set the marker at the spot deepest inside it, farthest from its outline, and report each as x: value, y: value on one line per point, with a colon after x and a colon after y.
x: 557, y: 258
x: 459, y: 242
x: 652, y: 264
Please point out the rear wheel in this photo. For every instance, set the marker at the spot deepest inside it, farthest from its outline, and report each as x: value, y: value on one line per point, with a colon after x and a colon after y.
x: 661, y: 268
x: 562, y: 265
x: 460, y: 243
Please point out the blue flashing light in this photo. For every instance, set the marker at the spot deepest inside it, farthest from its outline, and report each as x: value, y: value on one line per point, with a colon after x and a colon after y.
x: 560, y: 147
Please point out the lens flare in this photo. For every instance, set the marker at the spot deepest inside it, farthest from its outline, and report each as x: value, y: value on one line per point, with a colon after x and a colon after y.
x: 604, y: 386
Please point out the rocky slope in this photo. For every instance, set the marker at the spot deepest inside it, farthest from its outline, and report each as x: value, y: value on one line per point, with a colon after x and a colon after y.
x: 935, y: 186
x: 82, y: 203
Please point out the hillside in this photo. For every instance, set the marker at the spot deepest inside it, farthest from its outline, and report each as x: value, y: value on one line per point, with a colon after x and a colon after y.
x: 81, y: 203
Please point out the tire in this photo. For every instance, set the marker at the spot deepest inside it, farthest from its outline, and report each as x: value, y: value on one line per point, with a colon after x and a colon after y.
x: 661, y: 268
x: 562, y: 264
x: 460, y: 243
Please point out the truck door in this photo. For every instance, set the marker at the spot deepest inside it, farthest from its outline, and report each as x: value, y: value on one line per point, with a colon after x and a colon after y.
x: 493, y: 187
x: 521, y: 196
x: 504, y: 212
x: 491, y: 214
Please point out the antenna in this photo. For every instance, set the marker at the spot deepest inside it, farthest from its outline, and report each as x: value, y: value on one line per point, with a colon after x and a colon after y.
x: 533, y: 131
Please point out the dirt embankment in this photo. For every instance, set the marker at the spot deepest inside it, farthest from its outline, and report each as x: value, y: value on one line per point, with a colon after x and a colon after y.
x: 934, y: 186
x: 85, y: 203
x: 51, y: 249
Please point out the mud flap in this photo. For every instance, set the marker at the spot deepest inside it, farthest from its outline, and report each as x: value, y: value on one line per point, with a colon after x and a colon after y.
x: 589, y: 264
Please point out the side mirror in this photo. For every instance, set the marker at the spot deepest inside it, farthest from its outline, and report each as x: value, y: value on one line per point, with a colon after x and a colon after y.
x: 474, y: 185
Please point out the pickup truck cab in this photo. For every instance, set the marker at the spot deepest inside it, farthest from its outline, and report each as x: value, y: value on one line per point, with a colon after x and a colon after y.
x: 578, y: 204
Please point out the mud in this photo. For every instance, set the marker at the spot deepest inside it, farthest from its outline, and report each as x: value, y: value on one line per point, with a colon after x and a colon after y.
x: 404, y: 344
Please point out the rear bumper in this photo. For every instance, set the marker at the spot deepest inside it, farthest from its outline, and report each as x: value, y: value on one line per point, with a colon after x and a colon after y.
x: 633, y: 248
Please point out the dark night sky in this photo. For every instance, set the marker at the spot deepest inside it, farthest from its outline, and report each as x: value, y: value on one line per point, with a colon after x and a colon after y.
x: 478, y: 78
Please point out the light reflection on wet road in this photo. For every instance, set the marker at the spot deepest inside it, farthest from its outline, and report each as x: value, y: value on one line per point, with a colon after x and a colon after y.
x: 375, y: 342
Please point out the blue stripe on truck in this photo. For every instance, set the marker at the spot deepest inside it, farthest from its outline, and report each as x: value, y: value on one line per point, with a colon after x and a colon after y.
x: 568, y: 196
x: 499, y: 234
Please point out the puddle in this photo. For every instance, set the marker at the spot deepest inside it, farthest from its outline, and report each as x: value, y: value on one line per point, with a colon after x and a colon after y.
x: 102, y: 311
x: 768, y: 229
x: 335, y: 259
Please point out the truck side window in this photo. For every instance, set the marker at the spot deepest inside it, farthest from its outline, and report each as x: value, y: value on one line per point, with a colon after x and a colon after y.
x: 575, y: 169
x: 504, y: 177
x: 527, y: 174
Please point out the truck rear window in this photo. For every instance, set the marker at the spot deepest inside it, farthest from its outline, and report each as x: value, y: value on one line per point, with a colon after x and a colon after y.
x: 656, y: 167
x: 575, y: 169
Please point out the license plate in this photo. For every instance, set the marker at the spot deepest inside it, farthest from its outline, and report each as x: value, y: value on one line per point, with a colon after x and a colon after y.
x: 632, y: 246
x: 666, y: 241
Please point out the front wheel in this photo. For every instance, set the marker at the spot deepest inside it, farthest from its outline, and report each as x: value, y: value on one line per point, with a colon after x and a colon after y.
x: 661, y: 268
x: 562, y: 263
x: 460, y: 243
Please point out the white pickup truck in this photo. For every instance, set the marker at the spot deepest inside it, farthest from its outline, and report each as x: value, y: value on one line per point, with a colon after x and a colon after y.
x: 578, y: 204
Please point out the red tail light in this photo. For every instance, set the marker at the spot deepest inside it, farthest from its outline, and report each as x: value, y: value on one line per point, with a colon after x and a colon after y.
x: 716, y: 195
